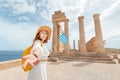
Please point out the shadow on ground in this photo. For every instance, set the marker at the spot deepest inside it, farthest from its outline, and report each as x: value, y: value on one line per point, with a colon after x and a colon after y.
x: 82, y: 64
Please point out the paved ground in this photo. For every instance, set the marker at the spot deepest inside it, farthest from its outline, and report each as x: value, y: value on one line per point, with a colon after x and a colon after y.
x: 70, y: 70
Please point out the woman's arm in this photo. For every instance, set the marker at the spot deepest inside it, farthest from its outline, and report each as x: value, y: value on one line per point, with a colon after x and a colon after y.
x: 36, y: 53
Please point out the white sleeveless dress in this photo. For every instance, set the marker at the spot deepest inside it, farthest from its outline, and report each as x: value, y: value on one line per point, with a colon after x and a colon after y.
x: 38, y: 72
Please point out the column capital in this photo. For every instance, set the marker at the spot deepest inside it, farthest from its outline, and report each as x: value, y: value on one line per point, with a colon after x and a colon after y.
x: 53, y: 21
x: 80, y: 17
x: 96, y: 15
x: 66, y: 20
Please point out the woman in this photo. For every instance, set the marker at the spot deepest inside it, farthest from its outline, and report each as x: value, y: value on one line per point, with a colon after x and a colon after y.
x: 38, y: 72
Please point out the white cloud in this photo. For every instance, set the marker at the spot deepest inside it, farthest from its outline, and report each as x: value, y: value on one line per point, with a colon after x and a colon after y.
x: 113, y: 42
x: 41, y: 3
x: 107, y: 12
x: 23, y: 7
x: 44, y: 14
x: 96, y: 0
x: 72, y: 10
x: 110, y: 18
x: 19, y: 35
x: 23, y: 18
x: 19, y: 6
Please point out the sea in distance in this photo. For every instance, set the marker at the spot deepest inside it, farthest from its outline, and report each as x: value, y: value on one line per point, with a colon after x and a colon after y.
x: 10, y: 55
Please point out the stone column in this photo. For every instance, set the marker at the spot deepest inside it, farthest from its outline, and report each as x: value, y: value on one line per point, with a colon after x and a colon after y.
x: 54, y: 43
x: 58, y: 35
x: 98, y: 33
x: 81, y: 34
x: 66, y: 49
x: 74, y: 44
x: 79, y: 45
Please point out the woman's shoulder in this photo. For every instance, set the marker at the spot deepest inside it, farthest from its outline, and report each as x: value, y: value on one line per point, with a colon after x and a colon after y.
x: 37, y: 42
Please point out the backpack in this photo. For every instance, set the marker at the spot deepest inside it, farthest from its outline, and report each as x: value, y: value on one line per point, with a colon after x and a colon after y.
x: 26, y: 52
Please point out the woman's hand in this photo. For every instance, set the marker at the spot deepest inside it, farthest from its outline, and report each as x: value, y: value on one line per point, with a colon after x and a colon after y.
x: 37, y: 61
x: 32, y: 57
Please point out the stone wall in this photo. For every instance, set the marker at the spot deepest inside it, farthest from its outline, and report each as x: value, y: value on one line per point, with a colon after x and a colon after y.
x: 10, y: 64
x: 91, y: 45
x: 111, y: 50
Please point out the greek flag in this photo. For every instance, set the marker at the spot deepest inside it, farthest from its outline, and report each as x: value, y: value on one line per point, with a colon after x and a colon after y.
x: 63, y: 38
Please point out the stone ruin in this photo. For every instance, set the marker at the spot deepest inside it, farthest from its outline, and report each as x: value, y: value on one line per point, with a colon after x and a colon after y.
x: 94, y: 47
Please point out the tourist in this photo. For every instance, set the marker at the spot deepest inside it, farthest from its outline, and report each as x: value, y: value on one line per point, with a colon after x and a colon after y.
x: 38, y: 71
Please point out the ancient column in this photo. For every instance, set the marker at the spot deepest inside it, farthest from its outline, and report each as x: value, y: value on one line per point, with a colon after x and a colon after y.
x: 53, y: 40
x: 54, y: 43
x: 98, y: 33
x: 81, y: 34
x: 66, y: 49
x: 61, y: 45
x: 79, y: 45
x: 74, y: 44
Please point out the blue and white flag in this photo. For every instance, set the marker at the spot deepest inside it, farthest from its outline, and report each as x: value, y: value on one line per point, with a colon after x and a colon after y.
x: 63, y: 38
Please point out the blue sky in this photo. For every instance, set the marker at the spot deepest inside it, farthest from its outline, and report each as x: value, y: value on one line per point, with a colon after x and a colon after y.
x: 19, y: 20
